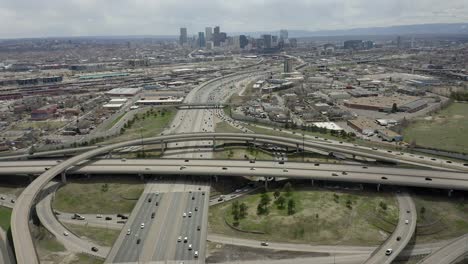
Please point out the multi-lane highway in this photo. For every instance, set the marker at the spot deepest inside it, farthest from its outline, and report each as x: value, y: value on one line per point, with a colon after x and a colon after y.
x: 177, y: 195
x: 202, y: 121
x: 332, y: 172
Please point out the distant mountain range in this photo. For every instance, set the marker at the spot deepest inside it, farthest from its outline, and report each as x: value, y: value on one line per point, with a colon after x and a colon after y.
x: 453, y: 28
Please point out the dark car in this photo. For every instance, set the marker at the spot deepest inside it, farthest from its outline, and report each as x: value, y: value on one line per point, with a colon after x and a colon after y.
x: 108, y: 218
x: 153, y: 214
x: 94, y: 249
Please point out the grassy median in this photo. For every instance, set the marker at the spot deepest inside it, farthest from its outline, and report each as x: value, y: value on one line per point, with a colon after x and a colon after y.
x: 440, y: 217
x: 101, y: 236
x: 320, y: 216
x: 99, y: 195
x: 5, y: 218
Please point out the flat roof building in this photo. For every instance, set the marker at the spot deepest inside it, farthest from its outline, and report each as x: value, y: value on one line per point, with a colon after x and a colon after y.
x: 363, y: 125
x: 128, y: 92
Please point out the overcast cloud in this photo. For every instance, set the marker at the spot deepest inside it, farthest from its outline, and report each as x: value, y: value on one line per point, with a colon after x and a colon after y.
x: 40, y: 18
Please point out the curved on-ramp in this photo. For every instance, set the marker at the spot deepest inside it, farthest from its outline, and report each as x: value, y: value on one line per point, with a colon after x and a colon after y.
x: 404, y: 231
x: 20, y: 218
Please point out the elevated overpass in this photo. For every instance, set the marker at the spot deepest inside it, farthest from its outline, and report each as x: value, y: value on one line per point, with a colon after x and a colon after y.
x: 21, y: 213
x: 211, y: 167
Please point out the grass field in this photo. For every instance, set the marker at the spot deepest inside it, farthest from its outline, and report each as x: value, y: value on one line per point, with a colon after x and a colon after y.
x: 5, y: 217
x: 101, y: 236
x: 150, y: 126
x: 320, y: 218
x: 224, y: 127
x: 90, y: 195
x: 446, y: 130
x: 443, y: 217
x: 46, y: 242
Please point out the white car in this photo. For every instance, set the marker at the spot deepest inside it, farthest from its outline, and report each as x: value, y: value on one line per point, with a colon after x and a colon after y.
x: 98, y: 216
x: 185, y: 239
x: 65, y: 233
x: 406, y: 221
x: 142, y: 225
x: 189, y: 214
x: 184, y: 215
x: 195, y: 254
x: 179, y: 239
x: 190, y: 247
x: 129, y: 231
x: 388, y: 252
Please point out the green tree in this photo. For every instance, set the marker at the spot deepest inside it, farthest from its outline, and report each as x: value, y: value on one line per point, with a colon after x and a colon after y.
x: 291, y: 207
x: 235, y: 208
x: 288, y: 189
x: 243, y: 210
x: 276, y: 194
x: 280, y: 202
x: 383, y: 205
x: 265, y: 199
x: 349, y: 204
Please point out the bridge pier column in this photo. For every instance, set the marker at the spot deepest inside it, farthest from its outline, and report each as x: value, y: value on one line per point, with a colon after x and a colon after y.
x: 31, y: 177
x: 142, y: 177
x: 88, y: 176
x: 163, y: 146
x: 266, y: 184
x: 312, y: 182
x: 216, y: 178
x: 297, y: 148
x: 64, y: 177
x: 450, y: 193
x: 378, y: 187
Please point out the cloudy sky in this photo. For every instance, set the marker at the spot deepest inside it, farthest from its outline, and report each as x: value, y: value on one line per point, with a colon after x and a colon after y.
x: 45, y: 18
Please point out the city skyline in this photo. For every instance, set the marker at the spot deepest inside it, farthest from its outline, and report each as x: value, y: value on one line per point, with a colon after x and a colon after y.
x: 86, y: 18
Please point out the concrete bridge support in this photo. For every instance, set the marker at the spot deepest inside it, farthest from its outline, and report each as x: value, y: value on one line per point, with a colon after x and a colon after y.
x: 63, y: 177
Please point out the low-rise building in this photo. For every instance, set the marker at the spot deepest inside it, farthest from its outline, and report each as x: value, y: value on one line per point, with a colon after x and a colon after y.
x: 44, y: 112
x: 389, y: 135
x: 363, y: 125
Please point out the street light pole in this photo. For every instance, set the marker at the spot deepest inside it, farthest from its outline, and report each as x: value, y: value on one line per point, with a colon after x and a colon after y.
x: 303, y: 143
x: 142, y: 146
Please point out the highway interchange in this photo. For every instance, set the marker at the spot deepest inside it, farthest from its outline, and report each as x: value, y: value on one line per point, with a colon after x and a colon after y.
x: 127, y: 249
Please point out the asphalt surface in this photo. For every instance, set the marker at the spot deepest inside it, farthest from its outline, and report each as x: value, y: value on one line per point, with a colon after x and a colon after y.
x: 404, y: 230
x: 163, y: 246
x: 20, y: 217
x: 71, y: 241
x: 332, y: 172
x: 6, y: 252
x: 451, y: 253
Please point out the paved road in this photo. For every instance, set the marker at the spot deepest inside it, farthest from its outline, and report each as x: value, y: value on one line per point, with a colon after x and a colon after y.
x: 170, y: 225
x: 6, y: 252
x: 71, y: 242
x: 404, y: 230
x: 451, y: 253
x: 332, y: 172
x: 20, y: 229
